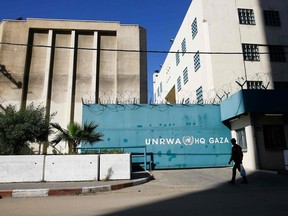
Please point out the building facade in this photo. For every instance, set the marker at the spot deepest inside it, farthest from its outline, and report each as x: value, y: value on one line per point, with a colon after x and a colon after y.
x: 225, y: 47
x: 62, y: 64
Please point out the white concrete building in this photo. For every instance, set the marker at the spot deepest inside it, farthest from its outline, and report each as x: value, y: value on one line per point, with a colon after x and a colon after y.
x: 205, y: 63
x: 234, y: 53
x: 63, y: 63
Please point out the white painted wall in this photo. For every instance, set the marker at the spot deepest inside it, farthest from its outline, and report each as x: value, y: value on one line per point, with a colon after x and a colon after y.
x: 21, y: 168
x: 219, y: 31
x: 71, y: 168
x: 250, y: 156
x: 116, y: 165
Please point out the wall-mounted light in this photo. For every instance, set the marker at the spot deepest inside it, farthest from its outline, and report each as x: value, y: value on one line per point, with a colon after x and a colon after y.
x: 273, y: 114
x: 234, y: 119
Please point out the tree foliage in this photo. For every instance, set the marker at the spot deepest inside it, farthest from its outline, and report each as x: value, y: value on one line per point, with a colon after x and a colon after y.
x: 75, y: 134
x: 19, y: 127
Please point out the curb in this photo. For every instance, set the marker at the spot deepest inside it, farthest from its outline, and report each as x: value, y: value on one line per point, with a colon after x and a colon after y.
x: 25, y: 193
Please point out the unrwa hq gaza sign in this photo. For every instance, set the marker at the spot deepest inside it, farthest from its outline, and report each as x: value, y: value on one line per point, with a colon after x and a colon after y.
x: 186, y: 140
x: 178, y: 136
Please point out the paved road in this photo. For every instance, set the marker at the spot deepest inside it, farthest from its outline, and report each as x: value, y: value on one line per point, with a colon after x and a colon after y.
x: 173, y: 192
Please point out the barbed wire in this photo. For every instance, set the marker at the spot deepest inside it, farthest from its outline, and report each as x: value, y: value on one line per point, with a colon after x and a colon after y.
x: 119, y: 101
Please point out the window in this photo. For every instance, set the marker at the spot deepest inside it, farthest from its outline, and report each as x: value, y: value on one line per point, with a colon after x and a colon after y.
x: 197, y: 64
x: 281, y: 85
x: 187, y: 101
x: 277, y: 54
x: 251, y: 52
x: 185, y: 75
x: 177, y: 57
x: 194, y: 28
x: 274, y: 137
x: 179, y: 83
x: 246, y: 16
x: 199, y: 95
x: 183, y: 46
x: 272, y: 18
x: 158, y: 92
x: 161, y: 89
x: 241, y: 138
x: 254, y: 84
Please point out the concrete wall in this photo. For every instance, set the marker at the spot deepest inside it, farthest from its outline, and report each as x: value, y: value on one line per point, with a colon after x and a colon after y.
x: 64, y: 167
x: 21, y: 168
x: 71, y: 167
x: 112, y: 167
x: 69, y: 61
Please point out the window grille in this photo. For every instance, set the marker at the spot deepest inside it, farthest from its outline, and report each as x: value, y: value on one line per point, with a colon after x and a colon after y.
x: 179, y: 87
x: 272, y: 18
x: 199, y: 95
x: 246, y: 16
x: 177, y: 57
x: 185, y: 75
x: 254, y: 84
x: 280, y: 85
x: 251, y: 52
x: 183, y: 46
x: 197, y: 63
x: 194, y: 28
x: 277, y: 54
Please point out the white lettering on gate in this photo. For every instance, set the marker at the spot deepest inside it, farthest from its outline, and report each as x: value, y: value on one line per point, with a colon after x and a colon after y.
x: 187, y: 140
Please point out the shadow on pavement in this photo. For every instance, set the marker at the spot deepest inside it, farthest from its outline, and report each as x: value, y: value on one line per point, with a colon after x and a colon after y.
x: 265, y: 194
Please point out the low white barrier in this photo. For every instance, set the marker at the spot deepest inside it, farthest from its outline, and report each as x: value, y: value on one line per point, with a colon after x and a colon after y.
x: 71, y: 167
x: 38, y: 168
x: 115, y: 166
x: 21, y: 168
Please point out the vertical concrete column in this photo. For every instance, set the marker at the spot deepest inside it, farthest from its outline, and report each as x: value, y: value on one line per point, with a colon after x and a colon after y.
x: 96, y: 67
x: 47, y: 67
x: 72, y: 76
x: 251, y: 148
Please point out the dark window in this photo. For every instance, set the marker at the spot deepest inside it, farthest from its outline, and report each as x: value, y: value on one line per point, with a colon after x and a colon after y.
x: 277, y: 54
x: 246, y: 16
x: 280, y: 85
x: 251, y: 52
x: 274, y: 137
x: 272, y: 18
x: 241, y: 138
x: 199, y: 95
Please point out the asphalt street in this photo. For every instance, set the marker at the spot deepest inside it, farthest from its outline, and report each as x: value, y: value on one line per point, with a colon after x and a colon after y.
x: 172, y: 192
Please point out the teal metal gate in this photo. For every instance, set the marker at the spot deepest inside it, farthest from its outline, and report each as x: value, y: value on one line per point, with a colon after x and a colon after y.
x: 174, y: 136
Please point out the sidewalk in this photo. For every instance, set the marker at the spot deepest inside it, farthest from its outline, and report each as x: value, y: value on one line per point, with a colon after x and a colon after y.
x: 43, y: 189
